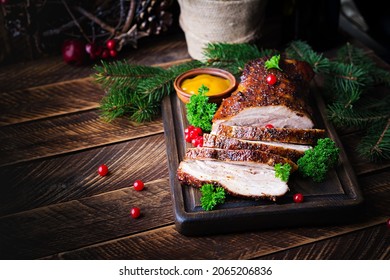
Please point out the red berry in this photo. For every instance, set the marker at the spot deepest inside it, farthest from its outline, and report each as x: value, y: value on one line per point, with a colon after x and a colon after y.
x: 198, y: 131
x: 197, y: 141
x: 103, y: 170
x: 188, y: 138
x: 388, y: 223
x: 298, y: 198
x: 135, y: 212
x: 113, y: 53
x: 138, y: 185
x: 269, y: 126
x: 105, y: 54
x: 271, y: 79
x: 111, y: 44
x: 73, y: 52
x: 3, y: 2
x: 188, y: 129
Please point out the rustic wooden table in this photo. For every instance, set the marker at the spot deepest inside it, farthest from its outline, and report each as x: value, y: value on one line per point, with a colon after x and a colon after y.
x: 54, y: 205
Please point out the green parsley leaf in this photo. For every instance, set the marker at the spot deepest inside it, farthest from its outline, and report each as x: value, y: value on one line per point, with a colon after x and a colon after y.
x: 316, y: 162
x: 211, y: 196
x: 199, y: 111
x: 273, y: 62
x: 282, y: 171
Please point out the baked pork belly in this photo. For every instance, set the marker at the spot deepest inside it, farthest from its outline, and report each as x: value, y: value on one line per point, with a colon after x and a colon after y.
x: 244, y: 179
x: 255, y: 103
x: 290, y: 151
x: 284, y: 135
x: 238, y: 156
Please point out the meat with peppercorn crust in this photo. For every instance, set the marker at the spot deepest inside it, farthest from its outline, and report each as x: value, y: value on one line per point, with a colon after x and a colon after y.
x: 255, y: 102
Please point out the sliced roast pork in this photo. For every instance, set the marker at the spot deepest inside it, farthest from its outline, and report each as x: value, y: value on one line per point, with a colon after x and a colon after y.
x: 290, y: 151
x: 255, y: 103
x: 284, y: 135
x: 238, y: 156
x: 244, y: 179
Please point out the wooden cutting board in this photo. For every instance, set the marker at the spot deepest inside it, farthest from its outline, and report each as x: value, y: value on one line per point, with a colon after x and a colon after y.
x: 333, y: 201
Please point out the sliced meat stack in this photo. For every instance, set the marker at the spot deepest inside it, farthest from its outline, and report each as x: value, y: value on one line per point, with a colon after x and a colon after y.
x: 240, y: 152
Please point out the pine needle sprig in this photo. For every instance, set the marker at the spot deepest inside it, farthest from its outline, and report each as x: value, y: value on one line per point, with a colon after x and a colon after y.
x: 123, y: 74
x: 116, y: 103
x: 157, y: 87
x: 374, y: 145
x: 300, y: 50
x: 231, y: 52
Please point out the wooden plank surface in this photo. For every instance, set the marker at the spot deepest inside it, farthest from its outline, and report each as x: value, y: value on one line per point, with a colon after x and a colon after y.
x: 53, y: 204
x: 67, y: 133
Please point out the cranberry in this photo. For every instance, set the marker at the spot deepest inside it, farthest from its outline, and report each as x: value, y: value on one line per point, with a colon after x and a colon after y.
x: 298, y: 198
x: 269, y: 126
x: 198, y: 130
x: 135, y: 212
x: 73, y: 52
x: 271, y: 79
x: 105, y: 54
x: 188, y: 129
x: 111, y: 44
x: 103, y: 170
x: 197, y: 141
x: 388, y: 223
x: 188, y: 138
x: 113, y: 53
x: 138, y: 185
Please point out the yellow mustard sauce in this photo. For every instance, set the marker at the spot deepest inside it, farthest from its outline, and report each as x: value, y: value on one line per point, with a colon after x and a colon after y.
x: 215, y: 84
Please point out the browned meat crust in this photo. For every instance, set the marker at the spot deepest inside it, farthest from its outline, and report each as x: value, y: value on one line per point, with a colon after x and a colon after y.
x: 291, y: 90
x: 285, y: 135
x: 223, y: 142
x: 190, y: 180
x: 265, y: 157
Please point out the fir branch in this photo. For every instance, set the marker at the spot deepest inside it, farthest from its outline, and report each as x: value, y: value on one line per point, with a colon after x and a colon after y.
x: 116, y: 104
x: 376, y: 146
x: 155, y: 88
x: 144, y: 108
x: 231, y: 52
x: 342, y: 116
x: 122, y: 74
x: 302, y: 51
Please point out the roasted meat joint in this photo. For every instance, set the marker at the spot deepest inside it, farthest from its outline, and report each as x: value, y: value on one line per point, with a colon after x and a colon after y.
x: 267, y: 121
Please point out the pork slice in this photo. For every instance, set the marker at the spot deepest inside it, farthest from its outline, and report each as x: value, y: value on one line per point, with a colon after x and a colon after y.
x: 284, y: 135
x: 290, y: 151
x: 284, y: 104
x: 254, y: 180
x: 244, y: 156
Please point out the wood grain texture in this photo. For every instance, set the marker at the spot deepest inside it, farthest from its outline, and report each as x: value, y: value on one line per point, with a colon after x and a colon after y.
x: 64, y: 134
x: 51, y: 70
x: 372, y: 243
x: 69, y: 225
x: 74, y: 176
x: 47, y: 101
x: 173, y: 245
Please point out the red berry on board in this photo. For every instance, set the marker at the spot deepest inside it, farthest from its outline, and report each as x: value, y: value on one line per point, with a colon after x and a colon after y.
x: 269, y: 126
x: 73, y: 52
x: 271, y: 79
x: 188, y: 129
x: 138, y: 185
x: 135, y: 212
x: 103, y: 170
x: 187, y: 138
x: 388, y: 223
x: 198, y: 130
x: 111, y: 44
x: 298, y: 198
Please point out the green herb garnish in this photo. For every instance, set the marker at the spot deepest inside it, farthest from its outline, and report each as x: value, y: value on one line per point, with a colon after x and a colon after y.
x: 273, y: 62
x: 199, y: 111
x: 282, y: 171
x: 316, y: 162
x: 211, y: 196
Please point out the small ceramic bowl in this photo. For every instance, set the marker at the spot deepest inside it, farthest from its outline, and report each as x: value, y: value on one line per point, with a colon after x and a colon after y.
x: 215, y: 98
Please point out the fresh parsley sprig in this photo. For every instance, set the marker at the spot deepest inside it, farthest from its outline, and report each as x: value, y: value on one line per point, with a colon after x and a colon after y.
x: 316, y: 162
x: 273, y: 62
x: 211, y: 196
x: 199, y: 111
x: 282, y: 171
